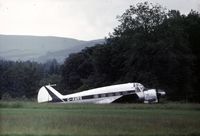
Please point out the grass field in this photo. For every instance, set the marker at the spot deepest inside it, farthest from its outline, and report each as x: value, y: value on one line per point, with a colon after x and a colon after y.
x: 32, y: 119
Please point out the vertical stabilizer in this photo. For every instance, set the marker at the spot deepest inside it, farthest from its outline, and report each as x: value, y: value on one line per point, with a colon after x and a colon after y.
x: 49, y: 94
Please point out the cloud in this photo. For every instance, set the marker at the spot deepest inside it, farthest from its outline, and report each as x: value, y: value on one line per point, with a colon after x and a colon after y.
x: 81, y: 19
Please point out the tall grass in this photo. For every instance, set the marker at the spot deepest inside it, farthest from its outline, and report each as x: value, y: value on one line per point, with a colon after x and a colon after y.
x: 110, y: 120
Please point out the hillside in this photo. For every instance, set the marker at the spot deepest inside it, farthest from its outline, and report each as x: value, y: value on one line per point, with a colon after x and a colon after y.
x: 62, y: 54
x: 39, y: 48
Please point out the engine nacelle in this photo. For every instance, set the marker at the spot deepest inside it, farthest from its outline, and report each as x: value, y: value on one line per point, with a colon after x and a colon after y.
x: 150, y: 96
x: 153, y: 95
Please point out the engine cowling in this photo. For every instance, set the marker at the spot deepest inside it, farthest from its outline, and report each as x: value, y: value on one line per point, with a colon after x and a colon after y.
x: 150, y: 96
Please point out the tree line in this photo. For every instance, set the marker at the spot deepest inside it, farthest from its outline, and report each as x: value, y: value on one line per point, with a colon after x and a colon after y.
x: 157, y: 47
x: 152, y: 45
x: 21, y: 80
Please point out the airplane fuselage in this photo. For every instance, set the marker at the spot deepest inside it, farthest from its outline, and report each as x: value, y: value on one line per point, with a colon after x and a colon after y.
x: 129, y: 92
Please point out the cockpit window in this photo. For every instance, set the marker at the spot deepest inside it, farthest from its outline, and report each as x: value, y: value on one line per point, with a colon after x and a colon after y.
x: 137, y: 89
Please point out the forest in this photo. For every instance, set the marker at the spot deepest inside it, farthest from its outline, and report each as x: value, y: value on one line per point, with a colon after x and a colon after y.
x: 156, y: 47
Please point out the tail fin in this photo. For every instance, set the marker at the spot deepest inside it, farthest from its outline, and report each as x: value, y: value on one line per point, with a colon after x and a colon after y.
x: 49, y: 94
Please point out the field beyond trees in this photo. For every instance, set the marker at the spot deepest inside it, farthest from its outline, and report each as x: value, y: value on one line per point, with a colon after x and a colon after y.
x: 30, y: 118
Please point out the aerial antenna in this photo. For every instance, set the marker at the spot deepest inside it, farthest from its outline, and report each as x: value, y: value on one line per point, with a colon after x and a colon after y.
x: 52, y: 84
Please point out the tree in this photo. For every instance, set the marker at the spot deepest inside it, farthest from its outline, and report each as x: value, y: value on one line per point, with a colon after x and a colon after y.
x: 76, y: 67
x: 155, y: 41
x: 157, y: 48
x: 143, y: 17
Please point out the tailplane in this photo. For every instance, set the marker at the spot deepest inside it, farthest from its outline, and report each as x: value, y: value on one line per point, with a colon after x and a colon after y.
x: 49, y: 94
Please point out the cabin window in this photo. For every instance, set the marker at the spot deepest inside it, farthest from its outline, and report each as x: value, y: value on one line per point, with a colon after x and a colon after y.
x: 103, y: 95
x: 125, y: 93
x: 110, y: 94
x: 131, y: 91
x: 96, y: 96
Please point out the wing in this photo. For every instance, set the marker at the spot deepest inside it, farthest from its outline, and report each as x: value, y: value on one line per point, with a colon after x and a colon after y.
x: 130, y: 98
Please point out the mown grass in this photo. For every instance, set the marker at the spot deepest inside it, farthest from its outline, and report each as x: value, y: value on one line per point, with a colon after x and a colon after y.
x: 32, y: 119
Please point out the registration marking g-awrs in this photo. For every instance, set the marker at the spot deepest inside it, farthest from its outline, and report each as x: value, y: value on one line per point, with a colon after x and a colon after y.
x: 74, y: 98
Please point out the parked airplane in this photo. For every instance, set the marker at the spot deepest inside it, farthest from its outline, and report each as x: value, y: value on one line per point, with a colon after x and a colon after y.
x: 129, y: 92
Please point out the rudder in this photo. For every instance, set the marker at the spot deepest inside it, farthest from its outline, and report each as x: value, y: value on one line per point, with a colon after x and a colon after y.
x: 49, y: 94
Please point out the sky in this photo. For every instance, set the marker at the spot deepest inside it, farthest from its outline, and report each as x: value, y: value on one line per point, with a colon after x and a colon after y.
x: 79, y: 19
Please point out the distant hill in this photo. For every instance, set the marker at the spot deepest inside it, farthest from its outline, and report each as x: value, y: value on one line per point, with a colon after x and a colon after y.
x: 40, y: 48
x: 62, y: 54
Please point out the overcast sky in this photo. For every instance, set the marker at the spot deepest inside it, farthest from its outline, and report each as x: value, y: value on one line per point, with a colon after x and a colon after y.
x: 80, y: 19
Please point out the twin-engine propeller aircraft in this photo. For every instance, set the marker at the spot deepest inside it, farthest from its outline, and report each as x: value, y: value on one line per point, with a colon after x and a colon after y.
x: 121, y: 93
